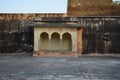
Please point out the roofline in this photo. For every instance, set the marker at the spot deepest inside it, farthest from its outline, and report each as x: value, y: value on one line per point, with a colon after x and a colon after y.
x: 56, y: 25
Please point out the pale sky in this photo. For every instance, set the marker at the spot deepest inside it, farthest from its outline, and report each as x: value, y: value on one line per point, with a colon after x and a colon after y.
x: 33, y: 6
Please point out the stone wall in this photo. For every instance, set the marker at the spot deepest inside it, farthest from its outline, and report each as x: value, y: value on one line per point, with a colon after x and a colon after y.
x: 90, y: 2
x: 92, y: 8
x: 15, y: 35
x: 12, y: 16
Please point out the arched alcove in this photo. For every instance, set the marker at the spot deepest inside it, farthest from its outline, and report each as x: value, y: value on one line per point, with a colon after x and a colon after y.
x: 55, y: 42
x: 66, y: 42
x: 44, y: 41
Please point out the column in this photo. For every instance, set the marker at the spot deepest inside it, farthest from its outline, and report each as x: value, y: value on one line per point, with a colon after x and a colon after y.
x: 49, y: 42
x: 39, y: 43
x: 79, y: 41
x: 36, y: 39
x: 74, y: 42
x: 60, y: 42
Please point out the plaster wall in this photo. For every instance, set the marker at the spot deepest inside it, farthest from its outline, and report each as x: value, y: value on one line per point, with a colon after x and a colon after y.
x: 72, y: 31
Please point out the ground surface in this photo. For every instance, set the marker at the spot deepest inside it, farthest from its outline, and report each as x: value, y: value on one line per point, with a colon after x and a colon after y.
x: 25, y: 67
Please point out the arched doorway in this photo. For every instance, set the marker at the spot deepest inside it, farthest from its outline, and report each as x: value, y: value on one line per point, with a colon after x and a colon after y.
x: 55, y: 42
x: 44, y: 41
x: 66, y: 42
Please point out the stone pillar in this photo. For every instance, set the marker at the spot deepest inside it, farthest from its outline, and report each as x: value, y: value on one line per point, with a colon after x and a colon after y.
x: 74, y: 42
x: 79, y: 41
x: 60, y: 42
x: 49, y: 43
x: 39, y: 43
x: 36, y: 39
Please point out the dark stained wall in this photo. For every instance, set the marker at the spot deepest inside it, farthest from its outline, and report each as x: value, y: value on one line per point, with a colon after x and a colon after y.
x: 99, y: 35
x: 15, y: 35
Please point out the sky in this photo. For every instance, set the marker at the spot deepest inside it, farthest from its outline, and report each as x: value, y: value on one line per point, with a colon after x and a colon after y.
x: 33, y: 6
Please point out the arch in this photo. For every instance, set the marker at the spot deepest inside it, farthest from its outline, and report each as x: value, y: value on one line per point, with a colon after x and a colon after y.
x: 66, y: 42
x: 44, y: 41
x: 55, y: 42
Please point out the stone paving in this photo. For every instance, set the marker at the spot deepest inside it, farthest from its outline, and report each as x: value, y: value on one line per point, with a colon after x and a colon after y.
x: 26, y: 67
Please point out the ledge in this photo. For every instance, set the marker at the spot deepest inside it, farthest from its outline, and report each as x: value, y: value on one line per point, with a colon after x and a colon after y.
x: 54, y: 54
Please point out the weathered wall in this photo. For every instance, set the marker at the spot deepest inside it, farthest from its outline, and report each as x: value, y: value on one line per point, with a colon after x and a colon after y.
x: 92, y: 8
x: 15, y: 35
x: 91, y: 2
x: 16, y: 16
x: 101, y: 37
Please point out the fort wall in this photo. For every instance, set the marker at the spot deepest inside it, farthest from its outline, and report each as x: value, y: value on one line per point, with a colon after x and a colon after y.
x: 19, y: 16
x: 90, y: 2
x: 92, y: 8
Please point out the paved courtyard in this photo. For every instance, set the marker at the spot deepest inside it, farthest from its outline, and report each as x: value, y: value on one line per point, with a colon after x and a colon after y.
x: 26, y: 67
